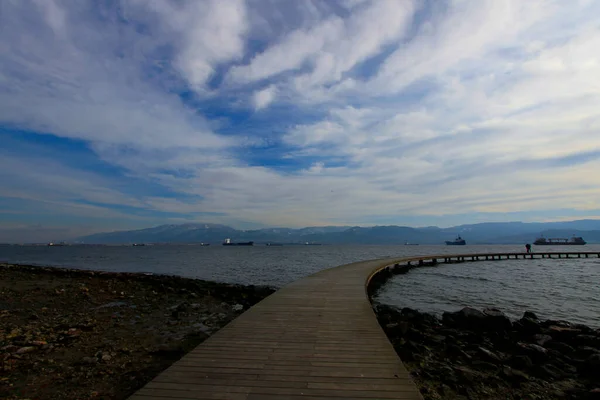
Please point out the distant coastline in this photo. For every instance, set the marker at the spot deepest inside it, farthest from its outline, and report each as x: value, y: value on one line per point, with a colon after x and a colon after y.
x: 481, y: 233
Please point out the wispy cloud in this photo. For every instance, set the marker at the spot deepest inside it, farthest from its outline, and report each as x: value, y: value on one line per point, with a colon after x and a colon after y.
x: 298, y: 113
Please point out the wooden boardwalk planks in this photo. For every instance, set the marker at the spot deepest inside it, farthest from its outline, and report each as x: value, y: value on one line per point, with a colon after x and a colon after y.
x: 316, y: 338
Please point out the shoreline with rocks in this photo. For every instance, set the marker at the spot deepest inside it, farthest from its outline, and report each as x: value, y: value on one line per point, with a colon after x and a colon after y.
x: 80, y: 334
x: 473, y: 354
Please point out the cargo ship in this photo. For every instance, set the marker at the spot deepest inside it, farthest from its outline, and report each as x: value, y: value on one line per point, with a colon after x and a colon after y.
x: 574, y: 241
x: 228, y: 242
x: 456, y: 242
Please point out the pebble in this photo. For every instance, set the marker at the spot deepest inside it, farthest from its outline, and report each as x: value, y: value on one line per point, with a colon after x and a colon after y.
x: 24, y: 350
x: 89, y: 360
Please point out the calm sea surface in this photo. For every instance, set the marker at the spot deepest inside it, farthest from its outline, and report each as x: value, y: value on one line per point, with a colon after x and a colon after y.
x: 562, y: 289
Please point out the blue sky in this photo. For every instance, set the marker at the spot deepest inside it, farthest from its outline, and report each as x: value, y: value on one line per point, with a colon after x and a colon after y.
x: 253, y: 113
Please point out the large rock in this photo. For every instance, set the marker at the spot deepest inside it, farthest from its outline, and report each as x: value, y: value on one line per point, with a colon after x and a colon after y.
x: 418, y: 317
x: 467, y: 375
x: 387, y: 314
x: 530, y: 315
x: 541, y: 340
x: 548, y: 372
x: 411, y: 351
x: 533, y: 351
x: 594, y: 394
x: 563, y: 333
x: 495, y: 320
x: 587, y: 340
x: 584, y: 352
x: 489, y: 355
x: 397, y: 329
x: 560, y: 346
x: 591, y: 367
x: 521, y: 362
x: 455, y: 351
x: 491, y: 319
x: 528, y: 326
x: 467, y: 318
x: 514, y: 375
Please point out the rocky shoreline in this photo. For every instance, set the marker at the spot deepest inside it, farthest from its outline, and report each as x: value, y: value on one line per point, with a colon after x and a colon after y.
x: 76, y: 334
x: 473, y: 354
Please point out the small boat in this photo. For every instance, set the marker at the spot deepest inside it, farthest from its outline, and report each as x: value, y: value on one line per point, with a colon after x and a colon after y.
x: 138, y: 244
x: 228, y: 242
x: 410, y: 244
x: 204, y: 244
x: 456, y: 242
x: 274, y: 244
x: 57, y: 244
x: 574, y: 241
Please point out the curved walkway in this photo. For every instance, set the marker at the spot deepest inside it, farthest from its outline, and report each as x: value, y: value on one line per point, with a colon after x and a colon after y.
x: 316, y: 338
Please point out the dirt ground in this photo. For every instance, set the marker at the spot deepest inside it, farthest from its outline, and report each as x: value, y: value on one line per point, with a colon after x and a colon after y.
x: 71, y: 334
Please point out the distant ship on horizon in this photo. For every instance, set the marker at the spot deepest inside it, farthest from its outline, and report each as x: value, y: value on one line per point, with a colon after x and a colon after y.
x: 53, y: 244
x: 574, y: 241
x: 456, y: 242
x: 228, y: 242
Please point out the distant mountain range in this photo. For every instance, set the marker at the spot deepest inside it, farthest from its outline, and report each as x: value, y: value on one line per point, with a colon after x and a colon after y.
x: 483, y: 233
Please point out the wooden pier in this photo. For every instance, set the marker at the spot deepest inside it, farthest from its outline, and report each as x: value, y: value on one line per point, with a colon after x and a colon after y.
x: 314, y: 339
x: 454, y: 258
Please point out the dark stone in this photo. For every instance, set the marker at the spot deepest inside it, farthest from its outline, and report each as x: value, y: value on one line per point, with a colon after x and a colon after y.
x: 89, y: 360
x: 410, y: 351
x: 412, y: 315
x: 541, y: 339
x: 484, y: 366
x: 559, y: 323
x: 397, y: 329
x: 490, y: 319
x: 547, y: 371
x: 521, y: 362
x: 387, y: 314
x: 584, y: 329
x: 172, y: 351
x: 467, y: 318
x: 467, y: 375
x: 593, y: 362
x: 562, y: 333
x: 434, y: 339
x: 496, y: 320
x: 584, y: 352
x: 535, y: 352
x: 528, y: 326
x: 514, y: 375
x: 446, y: 391
x: 409, y: 313
x: 594, y: 394
x: 555, y: 355
x: 560, y: 346
x: 453, y: 350
x: 591, y: 367
x: 587, y: 340
x: 447, y: 375
x: 530, y: 315
x: 488, y: 355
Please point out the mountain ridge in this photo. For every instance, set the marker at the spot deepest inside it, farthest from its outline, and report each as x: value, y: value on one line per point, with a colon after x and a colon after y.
x: 481, y: 233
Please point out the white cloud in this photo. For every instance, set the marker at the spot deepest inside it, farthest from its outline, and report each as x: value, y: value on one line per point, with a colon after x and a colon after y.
x: 264, y: 97
x: 70, y: 83
x: 330, y: 47
x: 210, y: 32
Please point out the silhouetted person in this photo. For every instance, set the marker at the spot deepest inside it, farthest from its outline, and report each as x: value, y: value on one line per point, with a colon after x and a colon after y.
x: 528, y: 247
